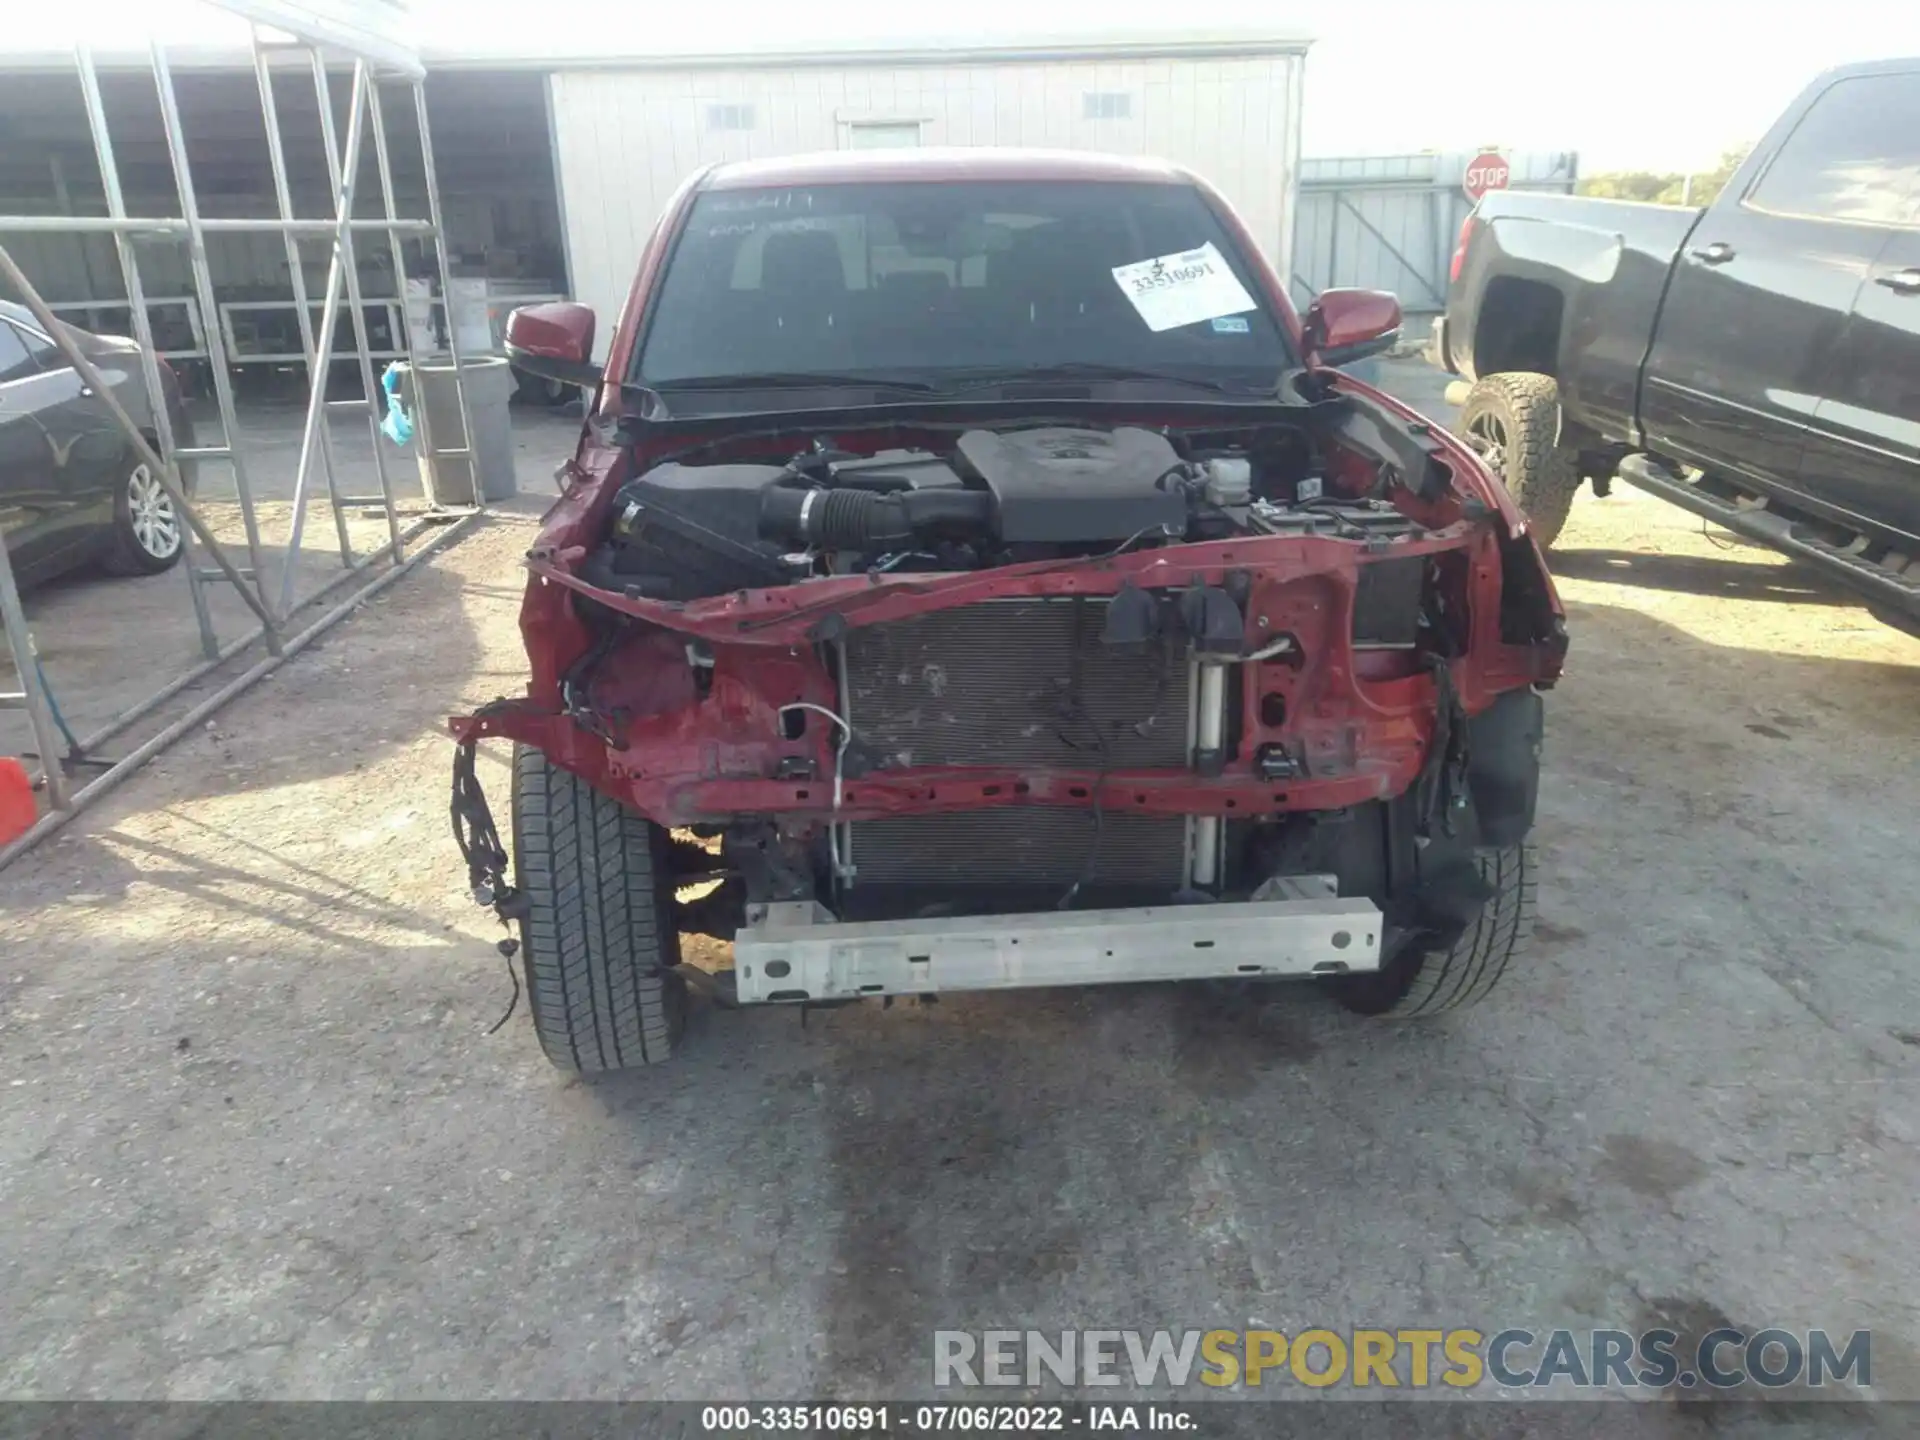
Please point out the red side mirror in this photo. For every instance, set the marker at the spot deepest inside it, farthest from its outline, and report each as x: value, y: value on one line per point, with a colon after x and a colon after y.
x: 555, y: 341
x: 1347, y: 325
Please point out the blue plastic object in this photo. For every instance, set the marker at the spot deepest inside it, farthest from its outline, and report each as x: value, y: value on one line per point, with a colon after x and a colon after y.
x: 398, y: 425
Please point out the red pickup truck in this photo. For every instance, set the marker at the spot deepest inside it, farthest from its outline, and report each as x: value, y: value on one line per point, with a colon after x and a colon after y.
x: 974, y: 575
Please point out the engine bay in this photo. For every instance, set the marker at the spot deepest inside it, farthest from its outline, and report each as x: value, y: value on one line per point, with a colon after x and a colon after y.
x: 705, y: 524
x: 1034, y: 671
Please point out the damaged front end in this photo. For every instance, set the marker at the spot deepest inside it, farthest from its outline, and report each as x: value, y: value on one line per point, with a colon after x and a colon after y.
x: 1045, y: 699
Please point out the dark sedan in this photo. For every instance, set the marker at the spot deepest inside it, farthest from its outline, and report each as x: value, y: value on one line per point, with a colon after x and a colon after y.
x: 73, y: 490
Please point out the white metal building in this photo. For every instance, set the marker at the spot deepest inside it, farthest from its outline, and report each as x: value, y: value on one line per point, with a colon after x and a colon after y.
x: 625, y: 135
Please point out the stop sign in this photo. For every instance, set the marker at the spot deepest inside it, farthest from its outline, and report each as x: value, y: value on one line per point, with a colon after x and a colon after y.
x: 1489, y: 171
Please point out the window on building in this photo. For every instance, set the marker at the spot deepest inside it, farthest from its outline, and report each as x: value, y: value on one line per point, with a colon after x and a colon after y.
x: 883, y: 134
x: 1854, y: 156
x: 1107, y: 105
x: 730, y: 117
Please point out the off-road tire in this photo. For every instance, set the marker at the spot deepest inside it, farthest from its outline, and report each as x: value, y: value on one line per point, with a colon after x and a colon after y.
x: 1418, y: 983
x: 597, y: 942
x: 1539, y: 473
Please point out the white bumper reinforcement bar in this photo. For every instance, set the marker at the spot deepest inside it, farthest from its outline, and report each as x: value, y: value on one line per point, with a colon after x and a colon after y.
x: 797, y: 952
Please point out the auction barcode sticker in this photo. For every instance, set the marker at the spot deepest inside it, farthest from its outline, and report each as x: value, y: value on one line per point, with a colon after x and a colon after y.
x: 1182, y: 289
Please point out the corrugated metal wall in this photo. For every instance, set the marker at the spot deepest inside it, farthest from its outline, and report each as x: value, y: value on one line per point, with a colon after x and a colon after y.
x: 1389, y: 222
x: 626, y: 138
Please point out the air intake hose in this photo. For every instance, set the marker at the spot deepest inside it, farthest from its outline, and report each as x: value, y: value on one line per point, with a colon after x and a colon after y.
x: 861, y: 519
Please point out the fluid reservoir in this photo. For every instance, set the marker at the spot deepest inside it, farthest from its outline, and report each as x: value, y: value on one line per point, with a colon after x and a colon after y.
x: 1229, y: 480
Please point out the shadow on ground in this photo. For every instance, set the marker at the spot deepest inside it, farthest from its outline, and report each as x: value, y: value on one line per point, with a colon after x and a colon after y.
x: 1700, y: 575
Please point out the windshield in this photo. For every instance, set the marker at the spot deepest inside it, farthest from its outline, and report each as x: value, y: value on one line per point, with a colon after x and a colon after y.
x: 940, y: 283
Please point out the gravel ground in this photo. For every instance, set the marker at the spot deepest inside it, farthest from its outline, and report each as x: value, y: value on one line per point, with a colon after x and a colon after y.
x: 256, y: 1141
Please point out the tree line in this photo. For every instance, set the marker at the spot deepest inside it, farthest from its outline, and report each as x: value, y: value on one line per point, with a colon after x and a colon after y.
x: 1666, y: 189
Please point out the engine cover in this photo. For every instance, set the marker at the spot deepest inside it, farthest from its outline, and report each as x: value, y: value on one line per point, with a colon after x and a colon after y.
x: 1063, y: 486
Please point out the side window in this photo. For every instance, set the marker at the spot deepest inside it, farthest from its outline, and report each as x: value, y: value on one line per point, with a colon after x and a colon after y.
x: 16, y: 360
x: 1854, y: 156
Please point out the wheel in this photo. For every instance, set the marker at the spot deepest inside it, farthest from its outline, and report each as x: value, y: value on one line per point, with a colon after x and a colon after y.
x: 597, y: 941
x: 1420, y: 982
x: 148, y: 535
x: 1512, y: 422
x: 541, y: 391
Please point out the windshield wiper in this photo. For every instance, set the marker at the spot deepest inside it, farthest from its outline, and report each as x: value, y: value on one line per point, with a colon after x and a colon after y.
x: 792, y: 380
x: 1092, y: 370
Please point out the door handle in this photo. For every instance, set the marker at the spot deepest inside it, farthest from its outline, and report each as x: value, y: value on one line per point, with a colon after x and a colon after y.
x: 1717, y: 253
x: 1901, y: 282
x: 86, y: 392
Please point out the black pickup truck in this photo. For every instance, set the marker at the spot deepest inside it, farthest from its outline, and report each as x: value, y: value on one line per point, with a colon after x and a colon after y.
x: 1757, y: 362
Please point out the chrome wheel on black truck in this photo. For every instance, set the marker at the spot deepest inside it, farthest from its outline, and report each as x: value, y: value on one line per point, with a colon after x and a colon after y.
x: 598, y: 942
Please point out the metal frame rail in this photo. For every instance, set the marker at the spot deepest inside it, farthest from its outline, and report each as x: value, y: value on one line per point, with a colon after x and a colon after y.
x: 206, y: 559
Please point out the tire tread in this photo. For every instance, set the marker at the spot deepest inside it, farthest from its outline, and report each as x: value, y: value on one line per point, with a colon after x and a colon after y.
x: 1465, y: 973
x: 1541, y: 475
x: 597, y: 942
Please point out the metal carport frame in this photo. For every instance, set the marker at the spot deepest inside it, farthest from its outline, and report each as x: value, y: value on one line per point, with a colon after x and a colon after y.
x: 374, y: 56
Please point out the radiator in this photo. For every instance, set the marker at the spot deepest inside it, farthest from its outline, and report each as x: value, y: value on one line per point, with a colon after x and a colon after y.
x: 1015, y: 682
x: 1018, y: 683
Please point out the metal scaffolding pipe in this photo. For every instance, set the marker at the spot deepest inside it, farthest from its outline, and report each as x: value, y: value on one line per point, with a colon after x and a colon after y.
x: 33, y: 694
x: 87, y: 744
x: 345, y: 181
x: 173, y: 226
x: 283, y: 197
x: 159, y: 741
x: 169, y: 478
x: 329, y: 324
x: 203, y: 290
x: 445, y: 263
x: 142, y: 322
x: 165, y: 462
x: 418, y: 347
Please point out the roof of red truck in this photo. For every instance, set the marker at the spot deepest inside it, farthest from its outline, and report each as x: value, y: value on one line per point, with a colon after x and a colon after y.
x: 844, y: 167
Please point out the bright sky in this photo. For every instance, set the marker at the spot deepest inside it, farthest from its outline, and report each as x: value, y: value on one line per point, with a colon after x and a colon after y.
x: 1630, y: 84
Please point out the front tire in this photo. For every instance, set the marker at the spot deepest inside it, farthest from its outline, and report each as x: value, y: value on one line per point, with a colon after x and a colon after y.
x: 1417, y: 983
x: 148, y: 534
x: 598, y: 942
x: 1512, y: 422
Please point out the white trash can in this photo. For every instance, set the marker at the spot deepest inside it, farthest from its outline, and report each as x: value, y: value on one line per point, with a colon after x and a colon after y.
x: 448, y: 479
